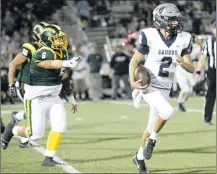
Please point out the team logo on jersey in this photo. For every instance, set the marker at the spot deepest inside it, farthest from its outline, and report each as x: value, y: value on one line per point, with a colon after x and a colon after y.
x: 168, y: 52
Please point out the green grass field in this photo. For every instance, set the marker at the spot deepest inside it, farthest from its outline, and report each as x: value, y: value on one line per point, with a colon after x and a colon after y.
x: 104, y: 136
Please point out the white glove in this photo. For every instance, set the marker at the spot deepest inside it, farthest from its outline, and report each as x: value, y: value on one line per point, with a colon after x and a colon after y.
x: 72, y: 63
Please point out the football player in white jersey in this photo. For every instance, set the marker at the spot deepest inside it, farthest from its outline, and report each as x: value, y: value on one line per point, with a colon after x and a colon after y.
x: 166, y: 45
x: 185, y: 79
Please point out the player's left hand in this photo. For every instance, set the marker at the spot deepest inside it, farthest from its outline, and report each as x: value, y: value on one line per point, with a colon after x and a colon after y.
x: 74, y: 108
x: 180, y: 60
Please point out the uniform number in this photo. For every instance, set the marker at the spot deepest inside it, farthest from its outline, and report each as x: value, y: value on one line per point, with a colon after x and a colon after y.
x: 43, y: 55
x: 166, y: 62
x: 24, y: 52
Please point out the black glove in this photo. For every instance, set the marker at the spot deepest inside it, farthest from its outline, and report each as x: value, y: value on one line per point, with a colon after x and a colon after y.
x: 12, y: 91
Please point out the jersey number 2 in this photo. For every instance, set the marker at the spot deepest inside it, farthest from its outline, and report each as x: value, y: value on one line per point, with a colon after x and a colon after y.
x: 166, y: 62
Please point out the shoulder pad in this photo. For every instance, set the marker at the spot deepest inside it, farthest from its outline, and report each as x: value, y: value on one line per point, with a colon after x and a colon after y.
x: 30, y: 47
x: 150, y: 34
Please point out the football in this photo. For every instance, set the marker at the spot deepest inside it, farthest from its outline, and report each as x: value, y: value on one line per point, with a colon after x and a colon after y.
x: 141, y: 72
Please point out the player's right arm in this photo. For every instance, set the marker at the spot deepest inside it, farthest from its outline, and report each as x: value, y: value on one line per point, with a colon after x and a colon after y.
x: 142, y: 50
x: 46, y: 58
x: 18, y: 60
x: 26, y: 52
x: 58, y: 64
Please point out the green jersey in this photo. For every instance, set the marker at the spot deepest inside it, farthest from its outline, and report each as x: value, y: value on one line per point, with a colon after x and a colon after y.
x: 46, y: 77
x: 27, y: 50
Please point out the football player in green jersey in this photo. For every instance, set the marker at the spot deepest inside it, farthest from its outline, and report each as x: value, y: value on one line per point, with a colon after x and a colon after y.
x: 17, y: 89
x: 42, y: 99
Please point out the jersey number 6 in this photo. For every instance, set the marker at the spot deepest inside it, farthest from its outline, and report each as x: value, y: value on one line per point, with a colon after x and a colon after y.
x: 166, y: 62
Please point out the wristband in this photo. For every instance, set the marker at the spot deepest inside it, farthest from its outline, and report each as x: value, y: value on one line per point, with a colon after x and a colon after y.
x: 198, y: 72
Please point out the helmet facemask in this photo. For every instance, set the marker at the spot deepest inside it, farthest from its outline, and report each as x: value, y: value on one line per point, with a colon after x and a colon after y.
x: 59, y: 41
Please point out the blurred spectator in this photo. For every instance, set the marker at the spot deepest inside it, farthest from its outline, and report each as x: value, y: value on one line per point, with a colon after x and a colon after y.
x: 120, y: 65
x: 120, y: 31
x: 102, y: 6
x: 78, y: 77
x: 95, y: 61
x: 187, y: 22
x: 4, y: 86
x: 83, y: 10
x: 213, y: 16
x: 196, y: 15
x: 133, y: 25
x: 9, y: 23
x: 84, y: 50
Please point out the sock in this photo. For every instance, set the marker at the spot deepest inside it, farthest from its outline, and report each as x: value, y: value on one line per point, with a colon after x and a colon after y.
x: 52, y: 143
x: 140, y: 154
x: 181, y: 98
x: 15, y: 130
x: 153, y: 135
x: 20, y: 116
x: 8, y: 133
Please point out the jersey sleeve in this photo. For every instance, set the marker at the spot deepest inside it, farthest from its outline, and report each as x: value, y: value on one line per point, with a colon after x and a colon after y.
x: 188, y: 45
x: 27, y: 50
x: 44, y: 54
x: 143, y: 47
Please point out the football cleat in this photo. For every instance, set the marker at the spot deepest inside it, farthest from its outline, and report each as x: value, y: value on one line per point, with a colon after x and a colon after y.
x: 27, y: 144
x: 140, y: 165
x: 48, y: 161
x: 182, y: 107
x: 148, y: 149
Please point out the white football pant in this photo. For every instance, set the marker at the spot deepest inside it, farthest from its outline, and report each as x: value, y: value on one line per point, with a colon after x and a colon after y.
x: 158, y: 102
x: 40, y: 109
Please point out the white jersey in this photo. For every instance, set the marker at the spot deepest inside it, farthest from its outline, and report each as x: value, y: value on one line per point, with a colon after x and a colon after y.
x: 162, y: 55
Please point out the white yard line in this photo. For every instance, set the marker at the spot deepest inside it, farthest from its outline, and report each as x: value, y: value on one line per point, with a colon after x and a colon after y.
x: 146, y: 105
x: 67, y: 168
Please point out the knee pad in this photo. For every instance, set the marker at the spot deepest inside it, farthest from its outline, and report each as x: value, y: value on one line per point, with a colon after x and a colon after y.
x: 167, y: 113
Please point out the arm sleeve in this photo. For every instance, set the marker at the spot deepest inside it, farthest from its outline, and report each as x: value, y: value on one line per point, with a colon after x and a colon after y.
x: 143, y: 47
x: 187, y: 50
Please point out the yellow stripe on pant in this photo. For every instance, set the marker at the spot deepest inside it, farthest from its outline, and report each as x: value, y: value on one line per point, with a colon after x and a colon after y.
x: 28, y: 113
